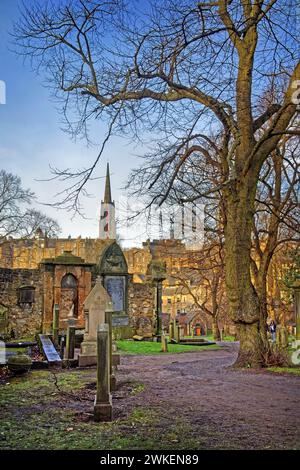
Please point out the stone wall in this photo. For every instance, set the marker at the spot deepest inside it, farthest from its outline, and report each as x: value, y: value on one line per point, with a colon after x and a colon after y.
x: 53, y: 294
x: 141, y: 308
x: 28, y: 253
x: 22, y: 319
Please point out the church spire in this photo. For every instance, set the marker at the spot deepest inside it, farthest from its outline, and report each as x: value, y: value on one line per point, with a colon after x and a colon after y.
x: 107, y: 193
x: 107, y: 222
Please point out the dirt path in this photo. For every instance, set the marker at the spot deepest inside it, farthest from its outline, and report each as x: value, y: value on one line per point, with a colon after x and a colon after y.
x: 174, y: 401
x: 221, y: 407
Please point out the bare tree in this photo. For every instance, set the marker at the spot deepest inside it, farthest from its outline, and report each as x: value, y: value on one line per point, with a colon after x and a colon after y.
x: 276, y: 220
x: 175, y: 74
x: 16, y: 218
x: 35, y: 222
x: 204, y: 269
x: 13, y: 198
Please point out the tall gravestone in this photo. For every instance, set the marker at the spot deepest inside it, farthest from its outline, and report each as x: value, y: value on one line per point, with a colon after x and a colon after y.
x: 103, y: 398
x: 95, y: 305
x: 108, y: 321
x: 70, y: 339
x: 55, y: 324
x: 114, y: 272
x: 157, y: 272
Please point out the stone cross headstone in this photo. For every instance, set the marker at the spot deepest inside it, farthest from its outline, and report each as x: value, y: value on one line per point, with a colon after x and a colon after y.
x: 95, y: 305
x: 103, y: 399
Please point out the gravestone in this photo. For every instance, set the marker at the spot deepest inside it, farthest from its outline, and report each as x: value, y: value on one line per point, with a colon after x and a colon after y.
x: 114, y: 272
x: 176, y: 328
x: 55, y: 324
x: 70, y: 341
x: 157, y: 272
x: 108, y: 321
x: 164, y: 342
x: 49, y: 350
x: 116, y: 287
x: 95, y: 305
x: 171, y: 330
x: 103, y: 399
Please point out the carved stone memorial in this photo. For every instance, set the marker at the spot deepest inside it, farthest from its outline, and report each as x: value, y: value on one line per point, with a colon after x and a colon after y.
x: 114, y: 272
x: 95, y: 305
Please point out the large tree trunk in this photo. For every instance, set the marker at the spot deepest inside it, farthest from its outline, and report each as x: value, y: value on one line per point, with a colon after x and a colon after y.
x: 262, y: 295
x: 244, y: 305
x: 215, y: 330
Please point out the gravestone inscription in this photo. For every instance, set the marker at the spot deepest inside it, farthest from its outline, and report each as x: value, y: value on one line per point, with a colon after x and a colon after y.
x: 115, y: 286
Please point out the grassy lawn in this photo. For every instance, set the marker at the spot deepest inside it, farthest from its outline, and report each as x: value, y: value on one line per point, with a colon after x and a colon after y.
x: 285, y: 370
x: 210, y: 337
x: 35, y: 414
x: 150, y: 347
x: 14, y: 350
x: 224, y: 338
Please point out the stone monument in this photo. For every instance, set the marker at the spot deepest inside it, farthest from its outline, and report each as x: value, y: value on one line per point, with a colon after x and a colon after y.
x: 55, y: 325
x: 95, y: 306
x: 157, y: 271
x: 114, y: 273
x: 70, y: 339
x: 103, y: 399
x: 164, y: 342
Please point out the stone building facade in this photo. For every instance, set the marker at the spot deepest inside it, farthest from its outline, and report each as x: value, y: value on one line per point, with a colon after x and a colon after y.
x: 55, y: 261
x: 39, y: 274
x: 28, y: 296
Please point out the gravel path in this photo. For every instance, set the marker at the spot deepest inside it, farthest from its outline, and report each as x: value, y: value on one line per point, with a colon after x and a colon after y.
x: 220, y: 406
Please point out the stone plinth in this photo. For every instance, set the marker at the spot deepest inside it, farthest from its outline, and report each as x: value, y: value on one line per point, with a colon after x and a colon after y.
x: 103, y: 411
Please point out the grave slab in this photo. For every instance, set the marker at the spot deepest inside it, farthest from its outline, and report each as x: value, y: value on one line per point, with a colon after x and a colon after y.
x: 49, y: 350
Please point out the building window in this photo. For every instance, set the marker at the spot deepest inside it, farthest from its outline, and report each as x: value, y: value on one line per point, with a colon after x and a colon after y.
x: 26, y: 295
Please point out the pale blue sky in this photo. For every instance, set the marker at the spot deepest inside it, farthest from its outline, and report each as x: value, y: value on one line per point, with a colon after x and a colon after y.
x: 31, y: 138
